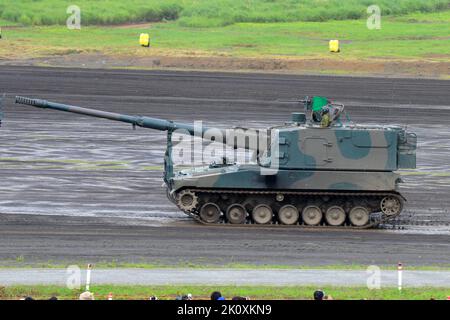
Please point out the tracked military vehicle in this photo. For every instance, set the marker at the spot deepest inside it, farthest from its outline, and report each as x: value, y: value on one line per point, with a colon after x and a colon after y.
x: 318, y: 170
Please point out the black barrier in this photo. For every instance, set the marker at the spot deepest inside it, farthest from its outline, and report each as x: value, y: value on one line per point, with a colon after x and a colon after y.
x: 257, y: 309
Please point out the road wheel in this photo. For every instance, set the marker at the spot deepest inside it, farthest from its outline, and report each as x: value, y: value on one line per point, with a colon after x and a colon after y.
x: 210, y: 212
x: 262, y: 214
x: 335, y: 216
x: 236, y: 214
x: 359, y: 216
x: 288, y: 214
x: 312, y: 215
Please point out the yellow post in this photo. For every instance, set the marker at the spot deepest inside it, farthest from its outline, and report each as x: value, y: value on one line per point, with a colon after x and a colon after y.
x: 334, y: 46
x: 144, y: 40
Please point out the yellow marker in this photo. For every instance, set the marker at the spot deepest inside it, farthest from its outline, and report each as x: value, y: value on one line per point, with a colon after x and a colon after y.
x: 334, y: 46
x: 144, y: 40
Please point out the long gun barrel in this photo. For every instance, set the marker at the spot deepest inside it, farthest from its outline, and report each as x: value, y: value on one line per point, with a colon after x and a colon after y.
x: 145, y: 122
x: 148, y: 122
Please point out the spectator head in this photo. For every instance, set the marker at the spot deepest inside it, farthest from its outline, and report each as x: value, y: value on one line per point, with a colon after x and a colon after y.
x: 328, y: 297
x: 189, y: 296
x: 86, y: 296
x: 53, y: 298
x: 216, y: 295
x: 153, y: 298
x: 239, y: 298
x: 318, y: 295
x: 28, y: 298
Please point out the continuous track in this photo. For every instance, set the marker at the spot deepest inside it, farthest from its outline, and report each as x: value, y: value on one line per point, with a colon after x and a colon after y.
x: 224, y: 198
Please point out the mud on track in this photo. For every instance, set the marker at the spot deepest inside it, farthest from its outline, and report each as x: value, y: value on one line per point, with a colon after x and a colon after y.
x: 61, y: 164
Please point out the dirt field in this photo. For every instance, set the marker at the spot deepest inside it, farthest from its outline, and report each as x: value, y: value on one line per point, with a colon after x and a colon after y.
x: 76, y: 188
x: 335, y: 65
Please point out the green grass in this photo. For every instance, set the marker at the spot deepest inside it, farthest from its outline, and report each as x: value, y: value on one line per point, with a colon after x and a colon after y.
x: 226, y: 12
x: 407, y: 37
x: 205, y: 13
x: 52, y: 12
x: 4, y: 23
x: 202, y: 292
x: 418, y: 42
x: 21, y: 262
x: 442, y: 16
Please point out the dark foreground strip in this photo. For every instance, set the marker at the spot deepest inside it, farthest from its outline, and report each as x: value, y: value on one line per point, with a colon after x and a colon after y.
x: 256, y: 309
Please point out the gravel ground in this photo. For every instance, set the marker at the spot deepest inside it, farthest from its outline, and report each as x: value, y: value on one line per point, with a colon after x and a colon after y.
x: 225, y: 277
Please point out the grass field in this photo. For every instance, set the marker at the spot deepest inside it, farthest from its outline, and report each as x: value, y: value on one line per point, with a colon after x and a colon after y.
x: 414, y: 34
x: 21, y: 262
x: 417, y: 36
x: 202, y: 292
x: 205, y: 13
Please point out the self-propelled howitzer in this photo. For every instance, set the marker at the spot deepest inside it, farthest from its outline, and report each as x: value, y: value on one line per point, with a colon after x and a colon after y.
x: 306, y: 172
